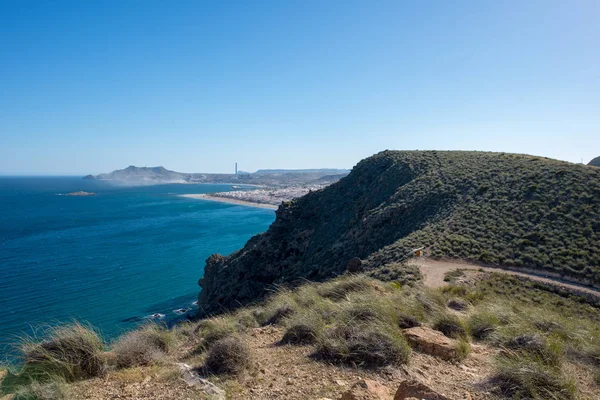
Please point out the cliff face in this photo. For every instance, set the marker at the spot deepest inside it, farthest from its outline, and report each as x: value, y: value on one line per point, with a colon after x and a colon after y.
x: 500, y: 208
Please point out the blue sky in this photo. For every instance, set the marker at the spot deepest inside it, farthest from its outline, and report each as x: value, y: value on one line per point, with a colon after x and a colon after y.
x: 88, y: 87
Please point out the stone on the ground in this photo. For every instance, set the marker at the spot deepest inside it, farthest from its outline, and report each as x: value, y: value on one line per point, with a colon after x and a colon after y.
x: 192, y: 378
x: 414, y: 389
x: 366, y: 389
x: 431, y: 342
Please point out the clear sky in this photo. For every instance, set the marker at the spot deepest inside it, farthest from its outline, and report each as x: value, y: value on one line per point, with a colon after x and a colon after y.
x: 92, y: 86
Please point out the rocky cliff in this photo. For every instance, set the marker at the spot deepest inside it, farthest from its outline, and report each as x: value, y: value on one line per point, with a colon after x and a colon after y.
x: 498, y: 208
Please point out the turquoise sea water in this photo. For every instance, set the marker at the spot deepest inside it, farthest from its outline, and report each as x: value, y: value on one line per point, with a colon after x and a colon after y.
x: 110, y: 259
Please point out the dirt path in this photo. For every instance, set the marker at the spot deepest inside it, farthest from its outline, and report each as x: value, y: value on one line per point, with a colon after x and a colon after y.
x: 434, y: 271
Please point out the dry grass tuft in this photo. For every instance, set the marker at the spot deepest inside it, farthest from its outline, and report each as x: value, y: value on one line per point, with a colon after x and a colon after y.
x: 366, y: 346
x: 53, y: 390
x: 532, y: 345
x: 482, y: 324
x: 463, y: 349
x: 278, y: 314
x: 458, y: 304
x: 300, y: 334
x: 527, y: 378
x: 245, y: 319
x: 212, y: 330
x: 70, y: 353
x: 340, y: 288
x: 145, y: 346
x: 406, y: 321
x: 450, y: 326
x: 230, y: 355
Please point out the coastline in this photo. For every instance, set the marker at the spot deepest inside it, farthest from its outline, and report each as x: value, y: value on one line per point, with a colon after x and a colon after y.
x: 208, y: 197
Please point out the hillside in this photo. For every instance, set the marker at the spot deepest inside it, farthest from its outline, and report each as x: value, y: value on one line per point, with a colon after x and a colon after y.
x: 498, y: 208
x: 595, y: 162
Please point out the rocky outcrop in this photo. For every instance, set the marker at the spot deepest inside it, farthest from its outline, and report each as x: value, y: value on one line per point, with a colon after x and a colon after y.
x: 595, y: 162
x: 366, y: 389
x: 431, y: 342
x: 413, y: 389
x: 354, y: 265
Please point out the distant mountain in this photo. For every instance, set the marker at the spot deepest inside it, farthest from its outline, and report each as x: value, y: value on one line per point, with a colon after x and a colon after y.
x: 133, y: 175
x: 142, y: 175
x: 497, y: 208
x: 595, y: 162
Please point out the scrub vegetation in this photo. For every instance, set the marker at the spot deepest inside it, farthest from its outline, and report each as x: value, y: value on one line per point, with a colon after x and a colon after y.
x: 538, y: 335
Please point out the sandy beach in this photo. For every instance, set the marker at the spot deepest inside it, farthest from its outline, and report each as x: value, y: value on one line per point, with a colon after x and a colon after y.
x: 208, y: 197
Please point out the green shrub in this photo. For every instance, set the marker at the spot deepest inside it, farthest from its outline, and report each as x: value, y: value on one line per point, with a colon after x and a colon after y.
x: 70, y: 352
x: 230, y: 355
x: 398, y: 273
x: 144, y: 346
x: 453, y: 275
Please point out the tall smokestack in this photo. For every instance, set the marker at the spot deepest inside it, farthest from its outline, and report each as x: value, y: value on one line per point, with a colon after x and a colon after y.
x: 236, y: 175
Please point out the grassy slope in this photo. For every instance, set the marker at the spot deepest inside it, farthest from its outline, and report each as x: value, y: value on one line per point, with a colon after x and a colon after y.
x: 499, y: 208
x: 527, y: 342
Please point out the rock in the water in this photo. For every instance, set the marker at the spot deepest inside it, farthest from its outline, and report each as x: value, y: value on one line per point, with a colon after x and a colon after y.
x: 366, y: 389
x: 431, y: 342
x: 80, y: 193
x: 354, y: 265
x: 414, y: 389
x: 193, y: 379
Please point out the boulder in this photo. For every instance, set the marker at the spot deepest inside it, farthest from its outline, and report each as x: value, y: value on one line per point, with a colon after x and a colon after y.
x: 414, y: 389
x: 209, y: 389
x: 366, y: 389
x: 431, y: 342
x: 354, y: 265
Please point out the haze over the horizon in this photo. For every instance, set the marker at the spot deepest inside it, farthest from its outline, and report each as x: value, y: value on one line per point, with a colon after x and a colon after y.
x: 89, y: 87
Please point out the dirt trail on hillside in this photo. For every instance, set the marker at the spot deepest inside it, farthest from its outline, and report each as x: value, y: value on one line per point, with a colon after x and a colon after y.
x: 434, y: 271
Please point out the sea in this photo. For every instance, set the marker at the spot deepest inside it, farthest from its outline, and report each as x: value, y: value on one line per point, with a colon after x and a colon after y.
x: 125, y: 256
